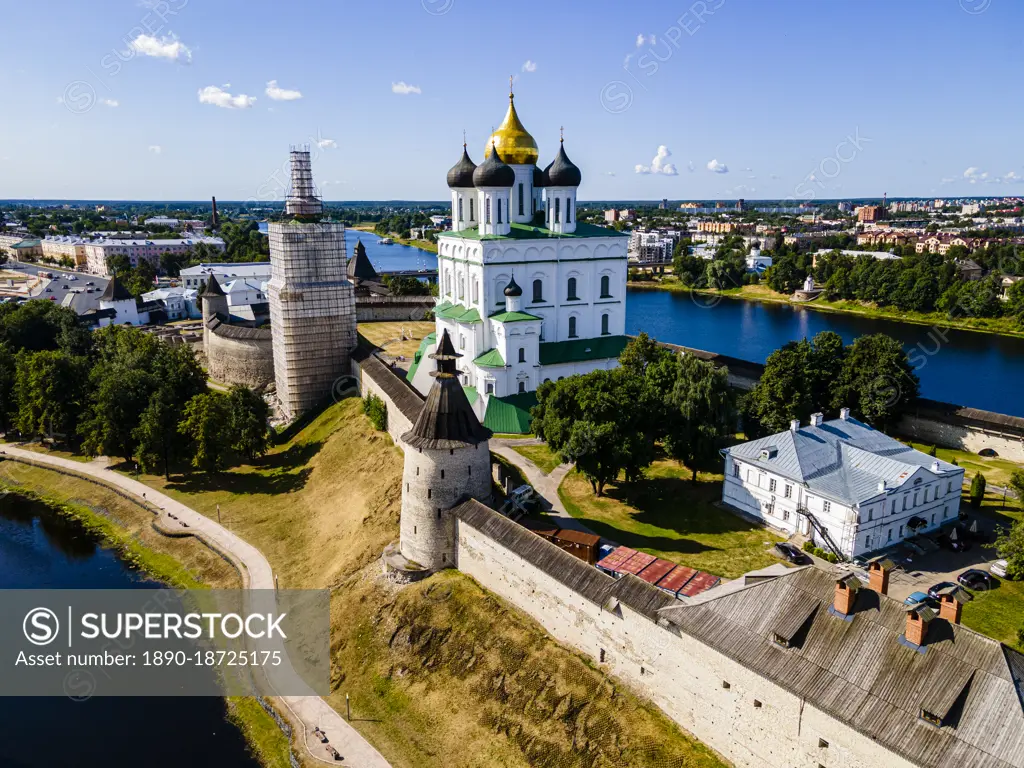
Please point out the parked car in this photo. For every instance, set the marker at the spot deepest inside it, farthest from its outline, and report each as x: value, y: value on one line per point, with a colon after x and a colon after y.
x: 998, y: 568
x: 792, y: 554
x: 90, y: 283
x: 919, y: 597
x: 64, y: 287
x: 49, y: 289
x: 934, y: 589
x: 976, y: 579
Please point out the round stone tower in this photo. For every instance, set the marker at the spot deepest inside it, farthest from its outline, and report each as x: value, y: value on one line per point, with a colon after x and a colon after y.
x: 447, y: 460
x: 214, y: 302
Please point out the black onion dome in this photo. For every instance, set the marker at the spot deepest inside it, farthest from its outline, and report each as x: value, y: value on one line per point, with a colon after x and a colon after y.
x: 513, y: 289
x: 538, y: 177
x: 492, y: 172
x: 461, y: 174
x: 562, y: 172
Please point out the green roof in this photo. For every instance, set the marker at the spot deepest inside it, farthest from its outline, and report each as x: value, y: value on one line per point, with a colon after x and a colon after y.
x: 528, y: 232
x: 490, y: 359
x: 511, y: 414
x: 578, y: 350
x: 458, y: 313
x: 26, y: 244
x: 442, y: 306
x: 471, y: 394
x: 513, y: 317
x: 427, y: 342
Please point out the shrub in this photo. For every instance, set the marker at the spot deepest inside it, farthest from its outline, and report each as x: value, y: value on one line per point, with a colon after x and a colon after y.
x: 831, y: 557
x: 808, y: 546
x: 977, y: 490
x: 376, y: 411
x: 818, y: 552
x: 931, y: 451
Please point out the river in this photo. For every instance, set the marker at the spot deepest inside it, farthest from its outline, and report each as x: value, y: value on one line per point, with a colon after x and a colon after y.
x: 42, y: 550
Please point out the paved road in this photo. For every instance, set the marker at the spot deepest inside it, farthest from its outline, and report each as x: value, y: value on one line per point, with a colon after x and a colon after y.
x: 83, y: 300
x: 313, y: 711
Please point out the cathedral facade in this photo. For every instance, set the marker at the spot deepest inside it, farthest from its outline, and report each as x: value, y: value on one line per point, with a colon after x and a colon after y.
x: 526, y: 293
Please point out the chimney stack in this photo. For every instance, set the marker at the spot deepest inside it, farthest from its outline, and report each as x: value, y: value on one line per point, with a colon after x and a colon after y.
x: 935, y: 467
x: 846, y: 594
x: 878, y: 574
x: 816, y: 419
x: 214, y: 221
x: 844, y: 414
x: 794, y: 425
x: 951, y: 604
x: 919, y: 616
x: 882, y: 486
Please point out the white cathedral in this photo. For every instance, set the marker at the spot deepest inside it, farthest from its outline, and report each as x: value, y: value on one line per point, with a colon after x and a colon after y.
x: 527, y: 294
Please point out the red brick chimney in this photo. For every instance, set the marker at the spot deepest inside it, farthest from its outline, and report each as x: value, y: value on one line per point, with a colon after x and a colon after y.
x: 878, y: 574
x: 846, y: 594
x: 951, y: 604
x: 918, y: 618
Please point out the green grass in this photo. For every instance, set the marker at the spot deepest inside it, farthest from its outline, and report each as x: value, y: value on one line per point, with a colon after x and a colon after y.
x: 540, y: 455
x: 996, y: 470
x: 265, y: 737
x: 668, y: 516
x: 999, y: 613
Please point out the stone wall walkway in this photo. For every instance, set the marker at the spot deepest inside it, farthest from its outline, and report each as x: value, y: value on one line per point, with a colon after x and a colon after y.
x: 312, y: 711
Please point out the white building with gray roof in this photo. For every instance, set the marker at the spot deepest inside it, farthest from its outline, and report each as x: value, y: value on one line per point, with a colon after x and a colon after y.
x: 847, y: 486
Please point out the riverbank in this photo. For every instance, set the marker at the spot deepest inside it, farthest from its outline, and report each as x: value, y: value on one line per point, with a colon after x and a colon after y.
x: 126, y: 528
x: 1000, y: 326
x: 423, y: 245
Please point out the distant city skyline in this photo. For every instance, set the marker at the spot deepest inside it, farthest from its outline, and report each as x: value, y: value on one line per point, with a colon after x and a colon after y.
x: 719, y: 99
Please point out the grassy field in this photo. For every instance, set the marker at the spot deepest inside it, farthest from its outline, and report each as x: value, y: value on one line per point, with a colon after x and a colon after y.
x: 397, y: 338
x: 1003, y: 325
x: 997, y: 471
x: 540, y: 455
x: 668, y: 516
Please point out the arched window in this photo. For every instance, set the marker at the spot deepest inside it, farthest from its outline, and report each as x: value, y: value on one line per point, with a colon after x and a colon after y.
x: 489, y: 388
x: 606, y: 284
x: 558, y: 207
x: 460, y: 209
x: 462, y: 287
x: 522, y: 387
x: 448, y: 282
x: 568, y: 210
x: 520, y: 198
x: 538, y: 292
x: 522, y: 355
x: 572, y: 290
x: 476, y: 291
x: 572, y: 327
x: 487, y: 212
x: 499, y: 210
x: 604, y: 325
x: 472, y: 217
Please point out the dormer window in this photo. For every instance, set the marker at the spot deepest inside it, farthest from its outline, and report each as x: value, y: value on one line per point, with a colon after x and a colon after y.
x: 931, y: 718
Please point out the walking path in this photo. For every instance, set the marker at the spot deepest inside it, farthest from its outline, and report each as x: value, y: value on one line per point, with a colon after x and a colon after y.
x: 545, y: 485
x: 256, y: 572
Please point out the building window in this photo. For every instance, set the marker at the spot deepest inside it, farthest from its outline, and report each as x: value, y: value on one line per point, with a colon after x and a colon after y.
x: 429, y: 492
x: 757, y: 704
x: 489, y: 388
x: 568, y: 210
x: 735, y: 469
x: 949, y: 487
x: 915, y: 499
x: 890, y: 535
x: 499, y: 210
x: 572, y: 327
x: 785, y: 515
x: 471, y: 216
x: 892, y: 508
x: 601, y: 656
x: 945, y: 512
x: 487, y: 211
x: 538, y: 292
x: 462, y: 341
x: 606, y: 287
x: 826, y: 506
x: 822, y: 744
x: 572, y: 290
x: 460, y: 209
x: 771, y: 485
x: 522, y: 387
x: 726, y: 685
x: 604, y: 325
x: 933, y: 518
x: 522, y: 355
x: 558, y: 208
x: 788, y: 491
x: 871, y: 515
x: 520, y: 198
x: 901, y: 532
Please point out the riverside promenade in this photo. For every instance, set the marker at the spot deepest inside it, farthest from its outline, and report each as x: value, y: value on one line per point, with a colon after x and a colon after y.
x: 310, y: 711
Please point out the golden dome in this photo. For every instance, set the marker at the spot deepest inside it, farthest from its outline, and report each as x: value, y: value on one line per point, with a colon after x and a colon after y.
x: 515, y: 145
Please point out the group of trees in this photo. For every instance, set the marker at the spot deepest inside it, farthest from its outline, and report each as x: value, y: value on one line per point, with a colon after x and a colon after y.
x: 872, y: 377
x: 607, y: 422
x: 120, y: 392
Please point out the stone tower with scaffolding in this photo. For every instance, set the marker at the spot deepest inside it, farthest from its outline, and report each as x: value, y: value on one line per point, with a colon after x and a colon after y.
x: 312, y: 304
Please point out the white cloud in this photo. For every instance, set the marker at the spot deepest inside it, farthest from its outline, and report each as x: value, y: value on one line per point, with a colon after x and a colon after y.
x: 218, y: 97
x: 971, y: 172
x: 327, y: 144
x: 629, y: 58
x: 716, y: 167
x: 530, y: 66
x: 640, y: 40
x: 1013, y: 177
x: 403, y: 88
x: 156, y: 149
x: 110, y: 103
x: 168, y: 47
x: 281, y: 94
x: 658, y: 164
x: 609, y: 173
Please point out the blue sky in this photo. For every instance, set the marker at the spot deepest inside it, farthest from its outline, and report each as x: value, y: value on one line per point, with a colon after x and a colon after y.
x: 804, y: 98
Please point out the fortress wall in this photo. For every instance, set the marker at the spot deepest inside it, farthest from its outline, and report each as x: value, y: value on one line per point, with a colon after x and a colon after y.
x: 403, y: 402
x: 393, y: 308
x: 248, y: 361
x: 682, y: 676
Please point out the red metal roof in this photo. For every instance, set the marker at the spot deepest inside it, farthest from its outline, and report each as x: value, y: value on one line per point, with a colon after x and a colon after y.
x: 653, y: 572
x: 699, y: 583
x: 616, y: 558
x: 636, y: 563
x: 677, y: 578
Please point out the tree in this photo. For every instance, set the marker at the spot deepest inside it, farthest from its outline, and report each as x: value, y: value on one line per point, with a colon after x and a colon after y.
x: 1017, y: 485
x: 50, y: 389
x: 977, y: 492
x: 206, y: 421
x: 701, y: 412
x: 406, y: 285
x: 825, y: 356
x: 876, y: 381
x: 1010, y: 545
x: 782, y: 393
x: 250, y: 428
x: 160, y: 444
x: 785, y: 276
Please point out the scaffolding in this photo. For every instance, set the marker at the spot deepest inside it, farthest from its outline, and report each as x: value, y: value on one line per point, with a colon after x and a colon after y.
x: 303, y: 202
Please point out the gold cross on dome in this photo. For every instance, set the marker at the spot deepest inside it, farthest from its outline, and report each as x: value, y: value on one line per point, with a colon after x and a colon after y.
x: 561, y: 133
x: 510, y: 79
